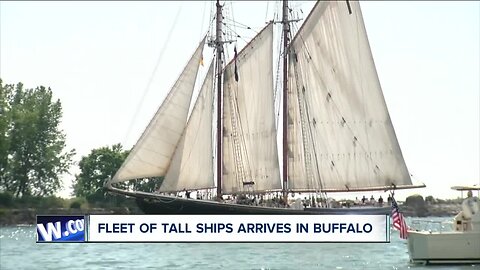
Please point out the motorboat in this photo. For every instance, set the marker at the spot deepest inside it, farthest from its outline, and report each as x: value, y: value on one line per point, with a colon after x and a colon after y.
x: 461, y: 245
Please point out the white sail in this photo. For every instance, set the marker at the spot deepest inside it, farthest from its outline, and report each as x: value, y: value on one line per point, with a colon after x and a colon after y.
x: 340, y: 133
x: 250, y: 158
x: 192, y: 163
x: 153, y: 152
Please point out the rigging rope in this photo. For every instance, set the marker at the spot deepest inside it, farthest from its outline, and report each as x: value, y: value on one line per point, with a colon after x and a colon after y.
x: 234, y: 32
x: 277, y: 86
x: 203, y: 19
x: 305, y: 122
x: 142, y: 99
x: 233, y: 18
x: 297, y: 68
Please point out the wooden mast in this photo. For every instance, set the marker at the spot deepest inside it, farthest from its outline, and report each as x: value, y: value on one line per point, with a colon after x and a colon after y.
x: 286, y: 29
x: 219, y: 48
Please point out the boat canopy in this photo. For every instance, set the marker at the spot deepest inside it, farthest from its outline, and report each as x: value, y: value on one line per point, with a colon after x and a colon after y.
x: 463, y: 188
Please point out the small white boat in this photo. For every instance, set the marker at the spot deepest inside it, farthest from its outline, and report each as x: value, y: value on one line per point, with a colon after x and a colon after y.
x: 461, y: 246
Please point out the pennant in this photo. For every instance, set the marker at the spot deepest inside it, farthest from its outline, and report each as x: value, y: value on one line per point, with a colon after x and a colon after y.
x: 235, y: 62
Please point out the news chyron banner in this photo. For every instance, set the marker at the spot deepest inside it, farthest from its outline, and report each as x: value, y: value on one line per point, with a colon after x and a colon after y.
x: 215, y: 228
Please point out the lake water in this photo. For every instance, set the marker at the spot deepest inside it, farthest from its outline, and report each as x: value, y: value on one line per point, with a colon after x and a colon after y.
x: 18, y: 250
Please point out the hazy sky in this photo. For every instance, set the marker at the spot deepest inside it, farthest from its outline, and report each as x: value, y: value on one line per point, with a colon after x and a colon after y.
x: 98, y: 57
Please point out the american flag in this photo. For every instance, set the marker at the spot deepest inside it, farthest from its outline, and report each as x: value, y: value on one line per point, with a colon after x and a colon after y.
x: 399, y: 220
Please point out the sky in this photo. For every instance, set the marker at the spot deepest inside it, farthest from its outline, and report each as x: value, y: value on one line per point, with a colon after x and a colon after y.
x: 112, y: 63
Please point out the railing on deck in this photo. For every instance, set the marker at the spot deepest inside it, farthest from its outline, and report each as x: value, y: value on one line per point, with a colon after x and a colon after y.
x: 431, y: 225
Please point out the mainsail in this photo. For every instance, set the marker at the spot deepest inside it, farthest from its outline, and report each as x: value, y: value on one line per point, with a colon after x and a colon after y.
x: 250, y: 158
x: 152, y: 154
x: 192, y: 163
x: 340, y: 137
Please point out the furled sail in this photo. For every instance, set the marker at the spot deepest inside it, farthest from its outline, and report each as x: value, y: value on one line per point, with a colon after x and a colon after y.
x: 340, y: 133
x: 153, y: 152
x: 192, y: 163
x: 250, y: 158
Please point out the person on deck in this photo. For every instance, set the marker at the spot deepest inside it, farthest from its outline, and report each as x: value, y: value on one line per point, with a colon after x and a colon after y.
x: 380, y: 201
x: 364, y: 199
x: 357, y: 201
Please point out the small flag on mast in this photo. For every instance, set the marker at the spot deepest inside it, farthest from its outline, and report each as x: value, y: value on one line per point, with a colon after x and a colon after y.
x: 398, y: 220
x: 235, y: 62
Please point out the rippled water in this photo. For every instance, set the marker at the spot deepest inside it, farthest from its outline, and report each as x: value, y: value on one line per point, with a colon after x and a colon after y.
x: 18, y: 250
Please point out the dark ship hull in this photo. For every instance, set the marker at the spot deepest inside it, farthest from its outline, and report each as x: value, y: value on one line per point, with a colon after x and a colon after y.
x: 151, y: 203
x: 171, y: 205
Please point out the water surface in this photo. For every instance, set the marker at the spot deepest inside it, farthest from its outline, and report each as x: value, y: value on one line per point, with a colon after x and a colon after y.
x: 18, y: 250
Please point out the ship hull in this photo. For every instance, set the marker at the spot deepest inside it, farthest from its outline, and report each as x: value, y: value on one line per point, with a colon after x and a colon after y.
x: 151, y: 203
x: 181, y: 206
x: 174, y: 205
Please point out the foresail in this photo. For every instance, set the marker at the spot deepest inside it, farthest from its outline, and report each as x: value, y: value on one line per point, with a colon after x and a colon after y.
x: 192, y: 163
x: 250, y: 158
x: 340, y: 133
x: 153, y: 152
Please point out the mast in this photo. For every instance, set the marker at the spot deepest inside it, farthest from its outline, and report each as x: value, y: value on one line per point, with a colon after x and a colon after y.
x: 219, y: 48
x: 286, y: 29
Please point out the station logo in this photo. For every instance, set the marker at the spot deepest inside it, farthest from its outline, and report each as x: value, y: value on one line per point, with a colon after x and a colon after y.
x: 60, y: 229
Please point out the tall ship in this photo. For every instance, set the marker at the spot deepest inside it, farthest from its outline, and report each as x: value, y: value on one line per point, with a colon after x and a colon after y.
x: 335, y: 131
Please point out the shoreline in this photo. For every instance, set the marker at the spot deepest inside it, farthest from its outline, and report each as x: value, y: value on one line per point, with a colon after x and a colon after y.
x: 27, y: 216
